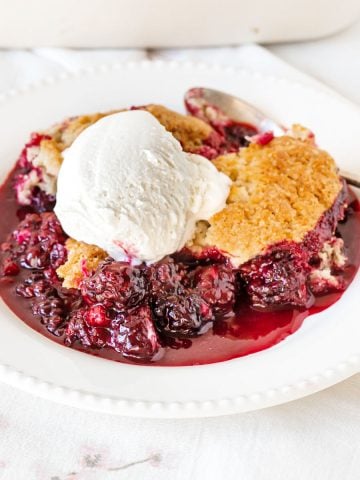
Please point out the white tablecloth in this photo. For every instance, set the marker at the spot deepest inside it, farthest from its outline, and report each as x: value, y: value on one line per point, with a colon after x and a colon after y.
x: 317, y: 437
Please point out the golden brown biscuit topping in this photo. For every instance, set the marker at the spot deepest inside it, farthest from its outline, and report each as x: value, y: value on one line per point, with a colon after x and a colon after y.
x: 83, y: 259
x: 189, y: 131
x: 279, y: 192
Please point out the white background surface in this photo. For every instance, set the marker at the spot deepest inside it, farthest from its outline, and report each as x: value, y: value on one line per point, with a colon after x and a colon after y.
x: 313, y: 438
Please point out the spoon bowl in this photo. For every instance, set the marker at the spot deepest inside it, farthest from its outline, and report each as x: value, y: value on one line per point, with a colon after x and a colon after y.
x: 241, y: 111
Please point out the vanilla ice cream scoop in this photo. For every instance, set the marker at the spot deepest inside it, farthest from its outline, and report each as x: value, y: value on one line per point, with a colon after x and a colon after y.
x: 127, y: 186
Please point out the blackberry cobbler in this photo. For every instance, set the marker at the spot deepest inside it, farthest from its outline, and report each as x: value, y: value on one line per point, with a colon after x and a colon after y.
x: 237, y: 277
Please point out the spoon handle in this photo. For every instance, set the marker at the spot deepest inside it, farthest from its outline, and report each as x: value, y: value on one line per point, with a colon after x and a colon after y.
x: 351, y: 178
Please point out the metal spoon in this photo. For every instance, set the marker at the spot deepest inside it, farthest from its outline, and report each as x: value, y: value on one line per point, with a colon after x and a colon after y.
x: 241, y: 111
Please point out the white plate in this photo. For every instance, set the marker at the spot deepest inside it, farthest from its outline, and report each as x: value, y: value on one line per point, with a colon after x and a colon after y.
x: 324, y: 351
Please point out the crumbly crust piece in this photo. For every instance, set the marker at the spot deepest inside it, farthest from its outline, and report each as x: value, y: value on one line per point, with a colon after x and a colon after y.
x: 279, y: 192
x: 83, y: 259
x: 189, y: 131
x: 49, y: 157
x: 302, y: 133
x: 48, y: 160
x: 45, y: 160
x: 66, y: 132
x: 332, y: 260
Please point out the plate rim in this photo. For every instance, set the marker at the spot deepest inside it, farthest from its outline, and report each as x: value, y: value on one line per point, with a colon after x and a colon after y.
x: 171, y: 409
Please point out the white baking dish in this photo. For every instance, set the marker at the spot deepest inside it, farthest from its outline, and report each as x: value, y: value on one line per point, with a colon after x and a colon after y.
x: 154, y: 23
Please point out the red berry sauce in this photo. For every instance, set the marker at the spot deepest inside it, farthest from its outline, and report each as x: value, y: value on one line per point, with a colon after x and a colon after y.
x: 177, y: 292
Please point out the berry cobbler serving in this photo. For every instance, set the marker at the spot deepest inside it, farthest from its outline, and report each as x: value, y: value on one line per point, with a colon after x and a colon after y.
x: 145, y: 235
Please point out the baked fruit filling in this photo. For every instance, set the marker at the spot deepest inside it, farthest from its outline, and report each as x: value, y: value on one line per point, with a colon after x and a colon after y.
x: 275, y: 245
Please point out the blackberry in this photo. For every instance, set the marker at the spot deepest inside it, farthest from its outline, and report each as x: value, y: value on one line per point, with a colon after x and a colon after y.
x: 216, y: 284
x: 79, y: 330
x: 115, y: 284
x: 182, y: 315
x: 278, y: 278
x: 134, y: 335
